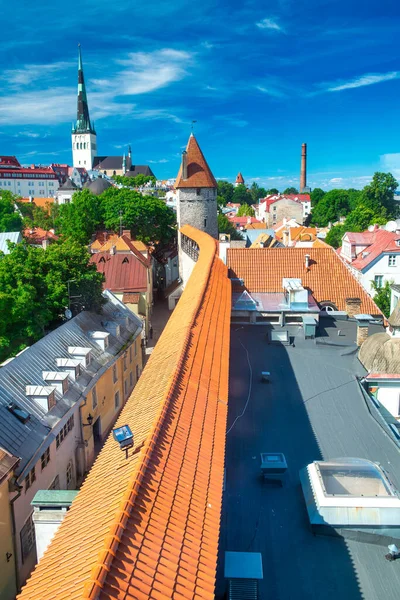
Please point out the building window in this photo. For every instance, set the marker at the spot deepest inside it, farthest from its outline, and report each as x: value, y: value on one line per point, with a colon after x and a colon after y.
x: 115, y: 374
x: 137, y: 372
x: 55, y: 484
x: 198, y: 192
x: 126, y: 387
x: 130, y: 354
x: 45, y: 458
x: 29, y: 479
x: 116, y: 399
x: 135, y: 349
x: 70, y: 473
x: 392, y: 260
x: 378, y: 281
x: 125, y: 362
x: 205, y: 223
x: 94, y: 398
x: 60, y: 437
x: 114, y: 172
x: 131, y: 379
x: 27, y: 536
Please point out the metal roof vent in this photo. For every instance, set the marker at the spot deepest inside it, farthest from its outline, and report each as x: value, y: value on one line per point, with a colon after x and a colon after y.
x: 101, y: 338
x: 43, y: 395
x: 71, y: 366
x: 82, y: 354
x: 113, y: 328
x: 58, y: 379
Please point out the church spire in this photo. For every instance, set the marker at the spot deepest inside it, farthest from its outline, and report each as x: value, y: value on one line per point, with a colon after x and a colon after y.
x: 83, y: 124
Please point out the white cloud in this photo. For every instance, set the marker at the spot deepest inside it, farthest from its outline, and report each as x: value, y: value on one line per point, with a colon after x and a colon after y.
x: 270, y: 91
x: 269, y: 24
x: 29, y: 134
x: 391, y: 163
x: 235, y: 119
x: 28, y: 74
x: 161, y: 161
x: 363, y: 80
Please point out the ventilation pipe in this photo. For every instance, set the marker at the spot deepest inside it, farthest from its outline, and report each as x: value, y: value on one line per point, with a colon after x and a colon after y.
x: 307, y: 259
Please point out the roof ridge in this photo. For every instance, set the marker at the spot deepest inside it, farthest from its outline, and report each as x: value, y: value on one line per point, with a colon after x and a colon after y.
x: 108, y: 553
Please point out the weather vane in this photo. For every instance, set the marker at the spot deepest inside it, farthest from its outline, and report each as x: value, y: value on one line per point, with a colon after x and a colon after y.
x: 193, y: 122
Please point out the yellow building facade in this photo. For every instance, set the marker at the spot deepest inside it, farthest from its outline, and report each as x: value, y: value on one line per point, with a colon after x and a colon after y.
x: 105, y: 399
x: 8, y: 586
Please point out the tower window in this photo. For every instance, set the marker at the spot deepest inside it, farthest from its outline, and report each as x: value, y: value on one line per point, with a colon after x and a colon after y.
x: 198, y: 192
x: 114, y: 172
x: 205, y: 223
x: 84, y: 145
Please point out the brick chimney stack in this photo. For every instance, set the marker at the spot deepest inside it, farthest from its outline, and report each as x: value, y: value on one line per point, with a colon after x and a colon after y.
x: 184, y: 165
x: 303, y: 169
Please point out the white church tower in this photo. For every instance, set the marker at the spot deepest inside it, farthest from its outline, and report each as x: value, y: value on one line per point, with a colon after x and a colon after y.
x: 84, y: 144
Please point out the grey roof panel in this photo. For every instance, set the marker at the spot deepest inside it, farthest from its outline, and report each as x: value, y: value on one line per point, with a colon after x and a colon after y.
x: 23, y: 439
x: 12, y: 236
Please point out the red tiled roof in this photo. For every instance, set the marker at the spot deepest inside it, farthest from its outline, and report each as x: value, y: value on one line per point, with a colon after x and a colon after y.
x: 40, y: 202
x: 376, y: 242
x: 328, y: 278
x: 130, y: 298
x: 239, y: 178
x: 244, y: 220
x: 9, y: 161
x: 123, y: 272
x: 147, y: 527
x: 374, y: 376
x: 37, y: 234
x: 31, y: 171
x: 198, y: 172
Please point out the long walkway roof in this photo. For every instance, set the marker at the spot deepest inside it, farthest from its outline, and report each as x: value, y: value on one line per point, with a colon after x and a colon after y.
x: 148, y: 526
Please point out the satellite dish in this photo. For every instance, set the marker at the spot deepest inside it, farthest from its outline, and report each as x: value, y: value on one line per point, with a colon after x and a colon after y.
x: 68, y: 314
x: 391, y: 226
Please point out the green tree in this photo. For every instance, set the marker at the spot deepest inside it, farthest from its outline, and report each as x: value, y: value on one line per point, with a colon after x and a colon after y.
x: 81, y: 217
x: 334, y: 236
x: 225, y: 191
x: 362, y: 217
x: 379, y: 195
x: 10, y: 219
x: 34, y: 290
x: 333, y: 205
x: 241, y: 195
x: 245, y: 211
x: 382, y: 297
x: 291, y: 190
x: 316, y: 195
x: 225, y: 226
x: 271, y: 192
x: 257, y: 192
x: 137, y: 181
x: 148, y: 217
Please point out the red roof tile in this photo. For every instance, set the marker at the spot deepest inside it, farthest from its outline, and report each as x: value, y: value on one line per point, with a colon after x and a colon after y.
x: 328, y: 278
x: 239, y: 178
x: 376, y: 242
x: 198, y: 172
x: 37, y: 234
x: 123, y: 272
x: 147, y: 527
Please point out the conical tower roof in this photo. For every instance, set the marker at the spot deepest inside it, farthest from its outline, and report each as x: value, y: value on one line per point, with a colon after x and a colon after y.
x: 239, y: 178
x: 199, y: 174
x: 83, y: 124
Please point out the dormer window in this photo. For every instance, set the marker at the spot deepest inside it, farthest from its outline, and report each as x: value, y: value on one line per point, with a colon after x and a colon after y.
x: 82, y: 354
x: 102, y: 260
x: 58, y: 379
x: 43, y: 395
x: 125, y: 261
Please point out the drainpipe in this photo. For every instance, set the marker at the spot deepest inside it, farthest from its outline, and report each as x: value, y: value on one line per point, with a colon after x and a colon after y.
x: 18, y: 489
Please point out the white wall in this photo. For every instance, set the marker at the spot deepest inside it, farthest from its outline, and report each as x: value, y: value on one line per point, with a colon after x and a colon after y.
x: 45, y: 188
x: 380, y: 267
x: 84, y: 149
x: 389, y: 398
x: 59, y: 459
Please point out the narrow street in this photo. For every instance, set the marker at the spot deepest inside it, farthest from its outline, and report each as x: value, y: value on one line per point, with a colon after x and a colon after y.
x: 160, y: 316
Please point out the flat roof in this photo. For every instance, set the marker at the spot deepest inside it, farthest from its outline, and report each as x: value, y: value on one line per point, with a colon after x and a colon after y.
x: 312, y: 409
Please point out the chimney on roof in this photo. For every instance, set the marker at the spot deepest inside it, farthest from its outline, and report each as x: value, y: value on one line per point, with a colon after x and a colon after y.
x: 303, y: 168
x: 184, y: 165
x: 353, y: 306
x: 307, y: 261
x: 112, y: 249
x: 30, y: 198
x: 362, y: 328
x: 49, y: 509
x: 127, y: 233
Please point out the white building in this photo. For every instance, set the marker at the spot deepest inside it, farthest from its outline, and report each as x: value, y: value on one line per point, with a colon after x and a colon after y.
x: 372, y: 256
x: 43, y: 393
x: 271, y: 204
x: 34, y: 181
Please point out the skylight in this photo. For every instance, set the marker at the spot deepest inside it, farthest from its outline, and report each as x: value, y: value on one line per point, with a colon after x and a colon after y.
x: 21, y: 414
x: 353, y: 477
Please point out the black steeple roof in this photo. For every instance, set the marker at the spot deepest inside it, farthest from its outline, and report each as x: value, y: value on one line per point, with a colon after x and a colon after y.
x: 83, y: 124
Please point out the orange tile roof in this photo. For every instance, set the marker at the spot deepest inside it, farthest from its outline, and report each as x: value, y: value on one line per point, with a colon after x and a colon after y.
x: 318, y: 243
x: 256, y: 226
x: 198, y: 171
x: 148, y: 526
x: 328, y: 279
x: 302, y: 234
x: 41, y: 202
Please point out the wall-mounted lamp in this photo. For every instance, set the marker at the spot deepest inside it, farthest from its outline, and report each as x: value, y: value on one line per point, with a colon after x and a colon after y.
x: 8, y: 556
x: 89, y: 421
x: 124, y: 436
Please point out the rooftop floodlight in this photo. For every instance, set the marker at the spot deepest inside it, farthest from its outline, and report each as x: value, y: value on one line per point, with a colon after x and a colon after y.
x: 393, y: 553
x: 124, y: 436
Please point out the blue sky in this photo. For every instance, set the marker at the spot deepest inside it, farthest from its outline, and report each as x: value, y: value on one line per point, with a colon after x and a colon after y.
x: 259, y: 78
